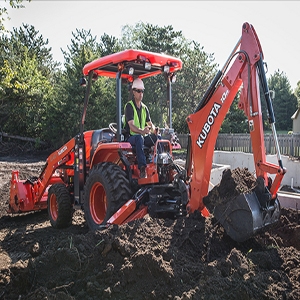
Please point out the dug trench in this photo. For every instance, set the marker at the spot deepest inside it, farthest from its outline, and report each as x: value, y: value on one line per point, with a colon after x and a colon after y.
x: 186, y: 258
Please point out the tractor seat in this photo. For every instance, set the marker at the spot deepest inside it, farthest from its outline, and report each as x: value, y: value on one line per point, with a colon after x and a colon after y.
x: 104, y: 135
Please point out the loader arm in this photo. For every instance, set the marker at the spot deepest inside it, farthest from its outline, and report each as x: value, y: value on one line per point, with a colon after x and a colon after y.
x: 30, y: 194
x: 244, y: 68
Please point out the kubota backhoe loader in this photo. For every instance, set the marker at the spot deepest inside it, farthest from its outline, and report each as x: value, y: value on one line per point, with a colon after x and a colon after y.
x: 97, y: 169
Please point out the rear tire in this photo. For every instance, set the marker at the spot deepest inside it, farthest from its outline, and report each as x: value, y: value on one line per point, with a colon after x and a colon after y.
x: 106, y: 190
x: 59, y: 206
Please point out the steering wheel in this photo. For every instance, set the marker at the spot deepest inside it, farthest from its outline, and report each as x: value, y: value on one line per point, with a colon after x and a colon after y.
x: 112, y: 127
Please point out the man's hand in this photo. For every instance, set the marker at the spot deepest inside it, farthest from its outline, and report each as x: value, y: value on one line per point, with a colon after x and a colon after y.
x: 146, y: 130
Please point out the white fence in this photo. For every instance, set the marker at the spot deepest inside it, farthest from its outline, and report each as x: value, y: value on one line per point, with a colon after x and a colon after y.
x: 289, y: 144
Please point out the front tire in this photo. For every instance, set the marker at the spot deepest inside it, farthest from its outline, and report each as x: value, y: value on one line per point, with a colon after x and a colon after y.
x: 59, y: 206
x: 106, y: 190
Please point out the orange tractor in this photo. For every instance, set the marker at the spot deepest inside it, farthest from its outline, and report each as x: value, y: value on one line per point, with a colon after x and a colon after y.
x: 97, y: 169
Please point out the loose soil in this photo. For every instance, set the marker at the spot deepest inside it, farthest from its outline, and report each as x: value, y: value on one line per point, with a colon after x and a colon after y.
x: 186, y: 258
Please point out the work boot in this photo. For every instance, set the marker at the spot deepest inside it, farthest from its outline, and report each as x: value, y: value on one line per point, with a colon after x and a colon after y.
x: 143, y: 173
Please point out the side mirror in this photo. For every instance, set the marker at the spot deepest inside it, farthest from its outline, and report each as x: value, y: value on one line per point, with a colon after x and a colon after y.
x: 272, y: 94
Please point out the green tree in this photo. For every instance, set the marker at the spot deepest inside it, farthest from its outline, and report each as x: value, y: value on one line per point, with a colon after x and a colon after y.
x: 24, y: 96
x: 26, y: 81
x: 27, y: 39
x: 235, y: 120
x: 109, y: 44
x: 285, y: 102
x: 66, y: 110
x: 192, y: 81
x: 3, y: 11
x: 153, y: 38
x: 297, y: 93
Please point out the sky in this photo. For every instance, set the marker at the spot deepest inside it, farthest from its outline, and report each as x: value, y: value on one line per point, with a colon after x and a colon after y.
x: 216, y: 25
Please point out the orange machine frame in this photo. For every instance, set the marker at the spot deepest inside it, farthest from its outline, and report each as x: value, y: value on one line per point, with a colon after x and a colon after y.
x: 205, y: 123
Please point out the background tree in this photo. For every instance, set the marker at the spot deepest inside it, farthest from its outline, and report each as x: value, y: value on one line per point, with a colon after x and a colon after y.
x: 46, y: 101
x: 27, y: 39
x: 285, y: 102
x: 26, y: 81
x: 297, y: 93
x: 155, y: 39
x: 66, y: 110
x: 235, y: 120
x: 3, y: 11
x: 192, y: 81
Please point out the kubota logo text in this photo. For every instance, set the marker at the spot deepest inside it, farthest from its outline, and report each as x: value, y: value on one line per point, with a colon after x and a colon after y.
x: 62, y: 150
x: 210, y: 120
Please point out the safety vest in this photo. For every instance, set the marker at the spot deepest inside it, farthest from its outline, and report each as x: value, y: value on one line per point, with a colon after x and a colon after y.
x: 137, y: 122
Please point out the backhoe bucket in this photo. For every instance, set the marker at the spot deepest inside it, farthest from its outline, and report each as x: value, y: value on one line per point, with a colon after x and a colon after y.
x: 243, y: 216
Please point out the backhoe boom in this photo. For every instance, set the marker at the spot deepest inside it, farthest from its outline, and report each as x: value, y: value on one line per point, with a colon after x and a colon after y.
x: 244, y: 70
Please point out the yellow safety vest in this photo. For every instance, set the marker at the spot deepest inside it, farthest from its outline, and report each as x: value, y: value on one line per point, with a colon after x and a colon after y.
x: 137, y: 122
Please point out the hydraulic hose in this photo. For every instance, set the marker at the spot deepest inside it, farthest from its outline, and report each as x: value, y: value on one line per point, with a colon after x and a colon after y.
x: 271, y: 116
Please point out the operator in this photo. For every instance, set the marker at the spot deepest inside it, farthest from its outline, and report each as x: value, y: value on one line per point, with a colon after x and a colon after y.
x: 139, y: 125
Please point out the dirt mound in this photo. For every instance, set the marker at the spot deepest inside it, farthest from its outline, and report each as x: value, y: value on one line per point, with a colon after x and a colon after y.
x: 233, y: 183
x: 187, y: 258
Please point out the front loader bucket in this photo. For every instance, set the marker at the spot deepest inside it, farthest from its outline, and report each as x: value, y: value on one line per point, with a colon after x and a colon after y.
x: 243, y: 216
x: 22, y: 196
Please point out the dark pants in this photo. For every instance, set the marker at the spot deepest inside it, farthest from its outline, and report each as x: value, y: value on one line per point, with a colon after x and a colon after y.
x: 138, y: 141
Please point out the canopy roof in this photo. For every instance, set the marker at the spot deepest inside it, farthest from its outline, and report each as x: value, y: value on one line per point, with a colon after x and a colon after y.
x: 126, y: 60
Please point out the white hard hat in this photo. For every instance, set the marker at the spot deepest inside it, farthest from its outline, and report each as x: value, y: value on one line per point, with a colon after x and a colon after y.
x: 138, y: 84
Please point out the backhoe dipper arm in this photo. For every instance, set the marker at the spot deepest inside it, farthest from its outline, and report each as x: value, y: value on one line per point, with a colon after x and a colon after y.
x: 205, y: 123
